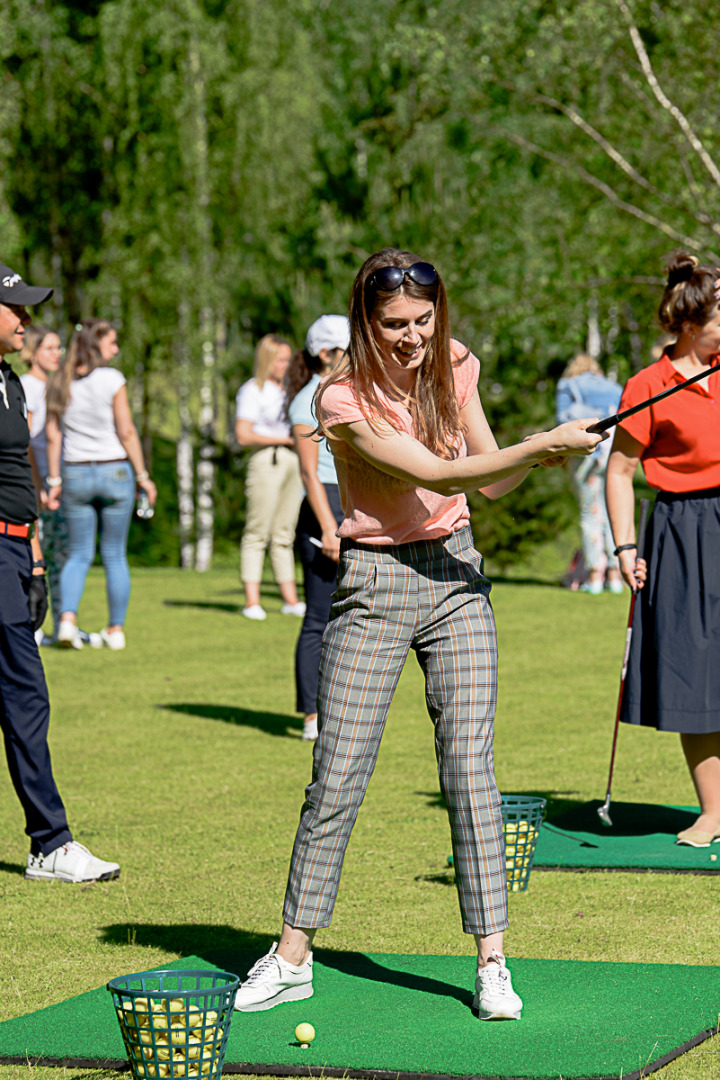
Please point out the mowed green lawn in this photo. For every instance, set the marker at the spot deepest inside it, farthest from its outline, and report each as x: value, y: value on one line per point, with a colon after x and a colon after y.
x: 182, y: 759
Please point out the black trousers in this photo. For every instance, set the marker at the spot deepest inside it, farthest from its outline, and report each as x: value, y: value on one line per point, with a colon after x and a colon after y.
x: 25, y: 706
x: 319, y: 575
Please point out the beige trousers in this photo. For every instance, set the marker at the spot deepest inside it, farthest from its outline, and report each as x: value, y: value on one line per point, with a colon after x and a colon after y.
x: 274, y: 491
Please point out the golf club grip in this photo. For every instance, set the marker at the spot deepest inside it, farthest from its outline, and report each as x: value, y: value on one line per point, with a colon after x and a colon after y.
x: 642, y: 526
x: 605, y: 425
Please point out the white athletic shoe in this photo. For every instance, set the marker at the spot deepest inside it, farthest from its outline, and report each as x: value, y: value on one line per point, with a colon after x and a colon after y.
x: 71, y: 862
x: 310, y: 730
x: 495, y: 998
x: 254, y: 611
x: 69, y: 636
x: 271, y: 981
x: 115, y: 641
x: 294, y: 609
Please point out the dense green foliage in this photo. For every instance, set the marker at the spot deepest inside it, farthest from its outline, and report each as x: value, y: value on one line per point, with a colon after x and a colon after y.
x: 220, y: 168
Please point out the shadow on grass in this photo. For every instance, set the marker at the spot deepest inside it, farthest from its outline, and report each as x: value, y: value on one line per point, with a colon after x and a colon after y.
x: 12, y: 868
x: 237, y: 950
x: 278, y: 724
x: 214, y: 605
x: 628, y: 819
x: 557, y: 802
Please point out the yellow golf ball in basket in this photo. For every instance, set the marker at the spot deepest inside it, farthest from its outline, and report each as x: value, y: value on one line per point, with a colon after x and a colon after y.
x: 304, y: 1033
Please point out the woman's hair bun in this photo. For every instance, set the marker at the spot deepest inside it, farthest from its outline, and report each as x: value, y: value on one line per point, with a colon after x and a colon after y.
x: 681, y: 268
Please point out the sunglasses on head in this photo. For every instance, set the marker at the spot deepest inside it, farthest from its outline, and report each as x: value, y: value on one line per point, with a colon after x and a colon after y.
x: 390, y: 278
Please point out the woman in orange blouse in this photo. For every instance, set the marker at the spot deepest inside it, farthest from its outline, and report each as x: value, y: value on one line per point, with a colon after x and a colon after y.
x: 673, y: 678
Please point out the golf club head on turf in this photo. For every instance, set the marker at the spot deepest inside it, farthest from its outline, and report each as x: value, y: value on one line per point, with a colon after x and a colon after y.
x: 604, y: 813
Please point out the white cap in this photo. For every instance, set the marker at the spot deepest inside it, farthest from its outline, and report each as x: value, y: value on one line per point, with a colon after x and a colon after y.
x: 328, y: 332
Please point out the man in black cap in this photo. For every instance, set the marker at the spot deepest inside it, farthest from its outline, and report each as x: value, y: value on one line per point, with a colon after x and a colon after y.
x: 24, y: 703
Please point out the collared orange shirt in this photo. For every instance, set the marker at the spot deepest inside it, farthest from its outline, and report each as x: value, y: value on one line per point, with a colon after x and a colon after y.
x: 681, y: 435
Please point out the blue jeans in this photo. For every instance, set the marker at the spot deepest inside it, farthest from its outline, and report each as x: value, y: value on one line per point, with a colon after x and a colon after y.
x: 99, y: 494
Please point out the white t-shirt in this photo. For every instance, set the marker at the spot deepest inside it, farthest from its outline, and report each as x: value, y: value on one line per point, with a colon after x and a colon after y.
x: 35, y: 395
x: 264, y: 408
x: 88, y: 423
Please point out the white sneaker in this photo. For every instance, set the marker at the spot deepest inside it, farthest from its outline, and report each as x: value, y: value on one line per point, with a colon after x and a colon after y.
x: 71, y: 862
x: 69, y: 635
x: 294, y: 609
x: 495, y: 998
x: 95, y: 641
x: 254, y: 611
x: 271, y: 981
x: 310, y: 730
x: 116, y: 640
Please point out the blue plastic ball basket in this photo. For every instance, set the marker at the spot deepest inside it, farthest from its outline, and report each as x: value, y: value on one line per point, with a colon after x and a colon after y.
x: 175, y: 1023
x: 522, y: 817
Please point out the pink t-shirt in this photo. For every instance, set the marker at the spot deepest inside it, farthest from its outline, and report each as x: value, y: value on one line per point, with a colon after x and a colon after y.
x: 381, y: 509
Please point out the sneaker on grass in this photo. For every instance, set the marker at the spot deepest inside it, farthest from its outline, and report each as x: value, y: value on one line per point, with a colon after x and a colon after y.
x: 272, y: 980
x: 70, y: 862
x: 495, y: 998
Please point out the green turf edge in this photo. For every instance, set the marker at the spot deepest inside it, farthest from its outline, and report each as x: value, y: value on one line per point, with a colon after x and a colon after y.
x: 248, y: 1069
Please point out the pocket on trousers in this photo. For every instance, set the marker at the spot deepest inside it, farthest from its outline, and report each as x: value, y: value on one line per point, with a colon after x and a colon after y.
x: 355, y: 587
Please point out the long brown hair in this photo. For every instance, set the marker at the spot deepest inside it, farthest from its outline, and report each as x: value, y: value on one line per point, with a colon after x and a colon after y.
x: 689, y: 295
x: 33, y: 338
x: 433, y: 404
x: 83, y: 352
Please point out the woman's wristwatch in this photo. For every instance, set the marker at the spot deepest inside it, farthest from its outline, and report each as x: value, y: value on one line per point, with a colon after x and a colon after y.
x: 141, y: 476
x: 53, y: 481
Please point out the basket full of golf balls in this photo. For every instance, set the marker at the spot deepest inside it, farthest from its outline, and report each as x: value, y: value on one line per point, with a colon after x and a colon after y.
x: 522, y: 817
x: 175, y: 1023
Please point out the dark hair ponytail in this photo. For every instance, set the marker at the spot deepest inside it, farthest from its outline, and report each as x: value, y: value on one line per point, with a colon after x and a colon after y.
x: 301, y: 370
x: 689, y: 295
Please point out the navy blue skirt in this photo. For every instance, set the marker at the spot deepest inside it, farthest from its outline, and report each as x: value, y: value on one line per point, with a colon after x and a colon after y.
x: 673, y: 678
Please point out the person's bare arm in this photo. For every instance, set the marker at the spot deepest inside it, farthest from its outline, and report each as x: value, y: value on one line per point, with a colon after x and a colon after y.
x: 128, y: 436
x: 307, y: 451
x: 620, y: 498
x: 400, y: 455
x: 53, y: 435
x: 246, y: 437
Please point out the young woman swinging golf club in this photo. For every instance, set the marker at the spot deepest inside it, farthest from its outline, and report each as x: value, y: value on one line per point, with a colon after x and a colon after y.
x: 404, y: 420
x: 673, y: 677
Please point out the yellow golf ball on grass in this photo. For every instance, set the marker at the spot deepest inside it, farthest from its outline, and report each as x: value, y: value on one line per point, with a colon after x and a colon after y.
x: 304, y: 1033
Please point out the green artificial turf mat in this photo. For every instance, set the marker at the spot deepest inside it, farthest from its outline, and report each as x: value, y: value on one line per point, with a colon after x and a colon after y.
x: 642, y: 837
x: 388, y: 1014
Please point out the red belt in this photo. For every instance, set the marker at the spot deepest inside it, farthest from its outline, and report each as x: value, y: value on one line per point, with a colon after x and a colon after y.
x: 8, y: 529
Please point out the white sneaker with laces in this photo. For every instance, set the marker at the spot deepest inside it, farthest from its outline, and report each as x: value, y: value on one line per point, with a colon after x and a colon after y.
x: 294, y: 609
x: 70, y: 862
x: 272, y: 981
x: 116, y: 640
x: 69, y: 635
x: 495, y: 998
x: 254, y: 611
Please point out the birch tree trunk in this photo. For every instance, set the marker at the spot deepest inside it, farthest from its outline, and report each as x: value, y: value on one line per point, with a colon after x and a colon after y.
x: 205, y: 464
x: 184, y: 453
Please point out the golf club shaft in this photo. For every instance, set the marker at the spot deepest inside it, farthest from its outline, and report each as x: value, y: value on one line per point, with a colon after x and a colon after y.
x: 611, y: 421
x: 644, y: 507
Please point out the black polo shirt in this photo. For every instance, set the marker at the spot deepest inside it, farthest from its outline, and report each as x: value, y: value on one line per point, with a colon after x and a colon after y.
x: 18, y: 503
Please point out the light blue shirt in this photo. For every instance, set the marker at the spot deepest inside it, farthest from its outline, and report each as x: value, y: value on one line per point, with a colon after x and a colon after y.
x: 301, y: 411
x: 588, y: 394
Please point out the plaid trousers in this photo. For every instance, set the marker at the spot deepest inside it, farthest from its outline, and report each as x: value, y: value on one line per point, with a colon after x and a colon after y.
x: 430, y: 596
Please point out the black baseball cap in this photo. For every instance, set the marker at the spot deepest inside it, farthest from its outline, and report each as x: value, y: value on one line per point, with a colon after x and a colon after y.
x: 13, y: 289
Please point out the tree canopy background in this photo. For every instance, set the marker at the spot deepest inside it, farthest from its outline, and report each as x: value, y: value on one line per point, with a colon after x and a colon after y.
x: 207, y: 172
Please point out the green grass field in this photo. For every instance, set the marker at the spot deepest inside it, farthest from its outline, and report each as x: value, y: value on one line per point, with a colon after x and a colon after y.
x: 182, y: 759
